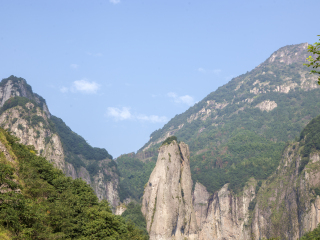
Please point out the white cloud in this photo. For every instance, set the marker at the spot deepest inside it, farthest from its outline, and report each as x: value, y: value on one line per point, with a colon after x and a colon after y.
x: 74, y: 66
x: 172, y: 95
x: 85, y: 86
x: 186, y: 99
x: 64, y: 89
x: 152, y: 118
x: 119, y: 114
x: 125, y: 114
x: 114, y: 1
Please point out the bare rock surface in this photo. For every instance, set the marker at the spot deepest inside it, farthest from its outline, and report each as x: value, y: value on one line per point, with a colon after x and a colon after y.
x: 167, y: 200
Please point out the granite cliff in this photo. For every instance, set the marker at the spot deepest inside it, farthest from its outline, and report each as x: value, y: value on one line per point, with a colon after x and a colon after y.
x: 26, y: 115
x: 286, y: 205
x: 167, y: 199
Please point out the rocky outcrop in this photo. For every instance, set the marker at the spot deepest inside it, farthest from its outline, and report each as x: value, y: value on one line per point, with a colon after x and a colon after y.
x: 288, y: 204
x: 223, y: 215
x: 267, y: 105
x: 31, y: 122
x: 167, y: 200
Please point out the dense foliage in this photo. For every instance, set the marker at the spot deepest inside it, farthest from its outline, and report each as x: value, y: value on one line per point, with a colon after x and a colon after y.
x: 133, y: 214
x: 17, y: 101
x: 314, y: 62
x: 134, y: 174
x: 40, y: 202
x: 76, y: 144
x: 218, y: 155
x: 169, y: 140
x: 312, y: 235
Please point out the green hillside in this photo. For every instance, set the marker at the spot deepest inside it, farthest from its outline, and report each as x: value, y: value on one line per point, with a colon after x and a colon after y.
x: 40, y: 202
x: 239, y: 130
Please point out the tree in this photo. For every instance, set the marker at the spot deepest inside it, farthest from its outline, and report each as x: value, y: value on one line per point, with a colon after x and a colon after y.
x: 314, y: 62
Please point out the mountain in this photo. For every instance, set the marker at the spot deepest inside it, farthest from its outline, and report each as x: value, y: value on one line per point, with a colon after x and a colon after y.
x: 284, y: 206
x: 37, y: 201
x: 26, y: 115
x: 238, y: 131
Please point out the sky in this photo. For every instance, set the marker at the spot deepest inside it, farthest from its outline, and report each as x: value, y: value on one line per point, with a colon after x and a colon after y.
x: 116, y: 70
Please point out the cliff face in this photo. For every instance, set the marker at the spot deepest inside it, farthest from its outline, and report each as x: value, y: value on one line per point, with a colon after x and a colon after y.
x: 29, y: 119
x: 288, y: 204
x: 223, y: 215
x: 167, y: 200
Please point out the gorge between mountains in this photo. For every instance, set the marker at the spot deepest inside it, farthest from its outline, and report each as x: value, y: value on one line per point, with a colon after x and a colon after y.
x: 243, y: 163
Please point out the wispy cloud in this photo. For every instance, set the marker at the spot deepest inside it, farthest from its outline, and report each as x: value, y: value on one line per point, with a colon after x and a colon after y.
x: 202, y: 70
x: 119, y: 114
x: 95, y: 54
x: 85, y: 86
x: 186, y: 99
x: 124, y: 113
x: 114, y: 1
x: 82, y: 86
x: 64, y: 89
x: 214, y: 71
x: 74, y: 66
x: 152, y: 118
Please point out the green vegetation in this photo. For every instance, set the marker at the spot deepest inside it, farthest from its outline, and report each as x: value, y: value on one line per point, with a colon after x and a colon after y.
x: 17, y: 101
x: 134, y: 174
x: 312, y: 235
x: 133, y: 214
x: 218, y: 154
x: 169, y: 140
x: 40, y: 202
x: 314, y: 62
x: 310, y: 137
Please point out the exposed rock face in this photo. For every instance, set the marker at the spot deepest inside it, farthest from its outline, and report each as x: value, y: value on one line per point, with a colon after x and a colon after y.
x: 167, y: 200
x: 45, y: 142
x: 120, y: 209
x: 263, y: 81
x: 31, y: 124
x: 267, y: 105
x: 223, y: 215
x: 288, y: 204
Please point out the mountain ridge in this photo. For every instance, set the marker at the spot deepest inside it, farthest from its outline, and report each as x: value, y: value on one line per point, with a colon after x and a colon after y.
x: 27, y: 116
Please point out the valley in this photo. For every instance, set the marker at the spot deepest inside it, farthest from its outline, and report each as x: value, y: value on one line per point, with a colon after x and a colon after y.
x: 243, y: 163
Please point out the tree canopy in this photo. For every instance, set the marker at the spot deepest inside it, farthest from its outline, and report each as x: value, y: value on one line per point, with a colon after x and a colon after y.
x: 314, y: 62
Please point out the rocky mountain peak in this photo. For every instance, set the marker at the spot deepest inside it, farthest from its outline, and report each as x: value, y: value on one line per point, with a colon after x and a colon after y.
x: 167, y: 200
x: 290, y: 54
x: 18, y: 87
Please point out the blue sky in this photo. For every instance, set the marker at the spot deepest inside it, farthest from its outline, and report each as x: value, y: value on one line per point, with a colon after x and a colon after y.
x: 116, y: 70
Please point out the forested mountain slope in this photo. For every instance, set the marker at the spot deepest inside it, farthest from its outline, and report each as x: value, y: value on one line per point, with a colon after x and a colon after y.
x: 39, y: 202
x: 240, y: 130
x: 26, y: 115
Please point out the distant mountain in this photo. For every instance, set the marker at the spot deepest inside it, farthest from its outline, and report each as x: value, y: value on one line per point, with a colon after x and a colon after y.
x: 26, y: 115
x: 240, y: 130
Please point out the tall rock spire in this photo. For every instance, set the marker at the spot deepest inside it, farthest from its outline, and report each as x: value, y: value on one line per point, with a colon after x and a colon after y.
x: 167, y: 200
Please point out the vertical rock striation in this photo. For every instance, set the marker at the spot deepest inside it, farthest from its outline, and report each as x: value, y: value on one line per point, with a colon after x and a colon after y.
x: 31, y: 122
x: 167, y: 200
